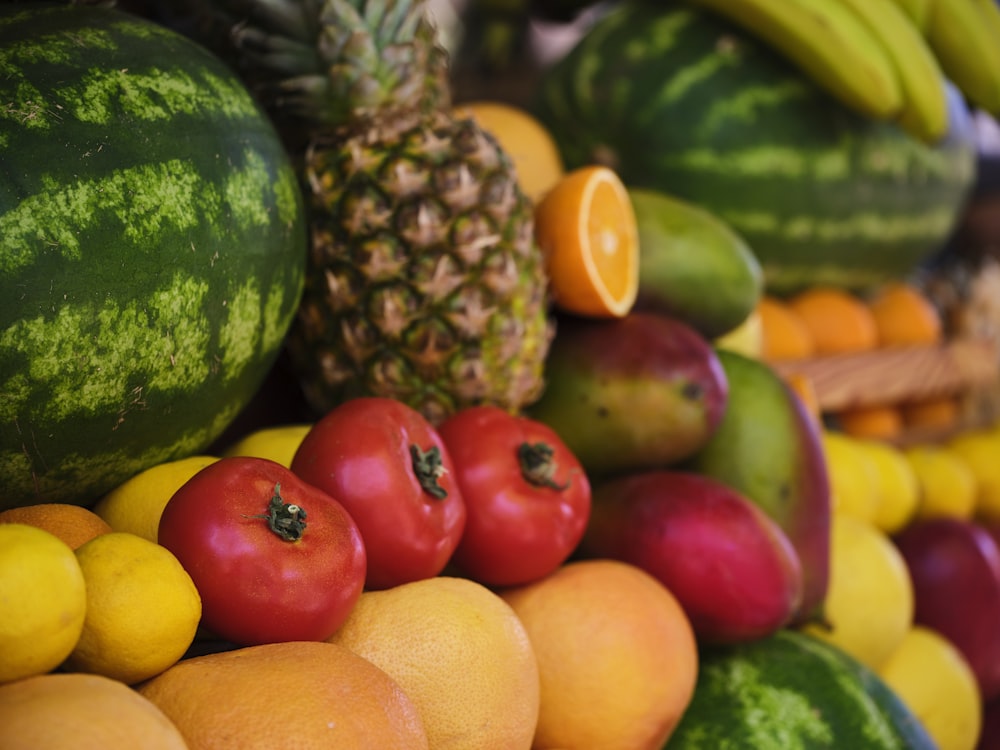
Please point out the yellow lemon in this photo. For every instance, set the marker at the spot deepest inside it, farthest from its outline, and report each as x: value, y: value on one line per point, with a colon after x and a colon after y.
x: 854, y: 486
x: 135, y: 506
x: 42, y: 601
x: 276, y: 443
x: 980, y: 449
x: 869, y: 602
x: 528, y: 143
x: 899, y: 490
x: 142, y: 608
x: 937, y: 684
x: 947, y: 485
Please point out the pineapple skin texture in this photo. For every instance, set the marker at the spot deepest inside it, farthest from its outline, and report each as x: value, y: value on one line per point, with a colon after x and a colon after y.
x: 424, y: 283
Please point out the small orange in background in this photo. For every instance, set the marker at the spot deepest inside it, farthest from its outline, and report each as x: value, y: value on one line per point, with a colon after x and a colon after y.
x: 74, y: 524
x: 881, y: 422
x: 904, y: 316
x: 838, y: 321
x: 587, y: 229
x: 784, y: 336
x: 802, y: 386
x: 940, y: 413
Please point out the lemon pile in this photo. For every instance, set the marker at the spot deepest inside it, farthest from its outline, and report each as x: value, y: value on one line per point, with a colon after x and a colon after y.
x: 119, y: 605
x: 877, y: 489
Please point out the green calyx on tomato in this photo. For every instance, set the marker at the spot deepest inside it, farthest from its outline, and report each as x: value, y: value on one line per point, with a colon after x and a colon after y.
x: 538, y: 466
x: 428, y: 468
x: 287, y: 520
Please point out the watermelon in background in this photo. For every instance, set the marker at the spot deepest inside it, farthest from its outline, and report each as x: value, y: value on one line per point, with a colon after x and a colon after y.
x: 152, y: 249
x: 681, y: 101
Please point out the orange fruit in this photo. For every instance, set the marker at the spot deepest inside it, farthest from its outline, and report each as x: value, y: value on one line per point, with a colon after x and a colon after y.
x: 74, y: 524
x: 940, y: 413
x: 587, y: 229
x: 460, y: 653
x: 616, y: 655
x: 302, y: 694
x: 784, y: 336
x: 78, y: 711
x: 528, y: 143
x: 838, y: 322
x: 882, y: 422
x: 802, y: 386
x: 904, y: 316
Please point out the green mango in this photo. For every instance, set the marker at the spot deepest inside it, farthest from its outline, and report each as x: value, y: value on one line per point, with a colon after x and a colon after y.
x: 769, y: 447
x: 692, y: 265
x: 638, y: 392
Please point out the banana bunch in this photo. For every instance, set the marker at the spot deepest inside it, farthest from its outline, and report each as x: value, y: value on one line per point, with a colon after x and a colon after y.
x: 887, y: 59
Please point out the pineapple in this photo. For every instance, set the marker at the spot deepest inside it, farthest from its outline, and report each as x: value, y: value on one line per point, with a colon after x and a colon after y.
x: 424, y: 283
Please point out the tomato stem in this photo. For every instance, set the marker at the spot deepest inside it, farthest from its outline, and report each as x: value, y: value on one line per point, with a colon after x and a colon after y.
x: 429, y: 469
x: 287, y: 520
x: 537, y: 465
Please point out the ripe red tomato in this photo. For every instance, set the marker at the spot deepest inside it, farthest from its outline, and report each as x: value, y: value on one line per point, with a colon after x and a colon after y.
x: 389, y: 467
x: 273, y: 558
x: 526, y: 495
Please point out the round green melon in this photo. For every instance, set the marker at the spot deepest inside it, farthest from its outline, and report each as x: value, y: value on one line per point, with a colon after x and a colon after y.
x: 790, y: 691
x: 152, y: 249
x: 678, y: 100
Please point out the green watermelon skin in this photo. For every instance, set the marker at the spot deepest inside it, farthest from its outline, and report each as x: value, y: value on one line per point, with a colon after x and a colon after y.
x: 152, y: 249
x: 681, y: 101
x: 793, y: 692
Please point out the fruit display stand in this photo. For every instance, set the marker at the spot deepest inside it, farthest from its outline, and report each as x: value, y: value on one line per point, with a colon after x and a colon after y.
x: 894, y: 375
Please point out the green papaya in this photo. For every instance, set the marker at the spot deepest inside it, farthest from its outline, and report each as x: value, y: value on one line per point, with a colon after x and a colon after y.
x: 692, y: 265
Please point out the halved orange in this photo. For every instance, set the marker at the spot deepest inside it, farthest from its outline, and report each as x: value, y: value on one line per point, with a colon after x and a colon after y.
x: 587, y: 229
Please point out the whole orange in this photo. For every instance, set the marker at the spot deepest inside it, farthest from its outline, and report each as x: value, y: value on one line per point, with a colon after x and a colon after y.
x: 77, y: 711
x: 616, y: 654
x: 838, y: 321
x: 302, y: 694
x: 461, y: 654
x: 74, y: 524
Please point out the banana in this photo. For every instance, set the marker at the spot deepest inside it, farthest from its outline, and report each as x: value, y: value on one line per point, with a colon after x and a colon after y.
x: 965, y: 36
x: 918, y: 10
x: 828, y: 43
x: 925, y: 104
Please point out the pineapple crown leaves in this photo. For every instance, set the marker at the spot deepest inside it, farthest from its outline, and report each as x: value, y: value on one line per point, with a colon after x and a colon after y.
x: 341, y: 62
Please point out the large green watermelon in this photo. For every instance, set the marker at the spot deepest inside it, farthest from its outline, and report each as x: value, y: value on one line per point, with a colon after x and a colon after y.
x: 152, y: 249
x: 793, y: 692
x: 679, y: 100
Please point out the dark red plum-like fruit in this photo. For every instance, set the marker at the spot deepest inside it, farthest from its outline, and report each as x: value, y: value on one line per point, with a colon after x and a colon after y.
x: 955, y: 568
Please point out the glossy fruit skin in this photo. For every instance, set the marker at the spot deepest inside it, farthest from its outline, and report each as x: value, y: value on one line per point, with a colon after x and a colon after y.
x: 602, y: 373
x: 362, y: 452
x: 517, y: 530
x: 955, y: 568
x: 692, y: 265
x: 768, y: 448
x: 153, y: 247
x: 732, y: 568
x: 257, y: 587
